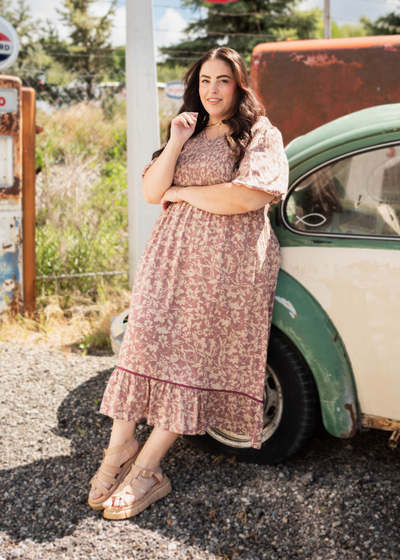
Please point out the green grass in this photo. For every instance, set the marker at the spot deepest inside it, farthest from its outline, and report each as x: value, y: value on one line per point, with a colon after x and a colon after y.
x: 81, y: 202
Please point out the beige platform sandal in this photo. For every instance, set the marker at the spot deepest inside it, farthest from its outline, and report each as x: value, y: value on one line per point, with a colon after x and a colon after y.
x: 119, y: 472
x: 131, y: 485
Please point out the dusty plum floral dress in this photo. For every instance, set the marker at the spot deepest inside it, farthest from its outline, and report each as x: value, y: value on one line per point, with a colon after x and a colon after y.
x: 194, y: 352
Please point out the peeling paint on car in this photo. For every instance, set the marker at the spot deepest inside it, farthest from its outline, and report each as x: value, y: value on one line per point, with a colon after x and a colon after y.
x: 288, y: 306
x: 354, y: 421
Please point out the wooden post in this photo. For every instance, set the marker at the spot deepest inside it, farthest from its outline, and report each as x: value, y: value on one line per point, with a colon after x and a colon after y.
x: 143, y: 131
x: 327, y: 20
x: 28, y: 199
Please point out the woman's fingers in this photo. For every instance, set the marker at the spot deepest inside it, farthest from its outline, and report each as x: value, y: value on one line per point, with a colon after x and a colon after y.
x: 186, y: 118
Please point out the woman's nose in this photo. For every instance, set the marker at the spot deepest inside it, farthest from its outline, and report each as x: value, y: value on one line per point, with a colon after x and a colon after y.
x: 213, y: 87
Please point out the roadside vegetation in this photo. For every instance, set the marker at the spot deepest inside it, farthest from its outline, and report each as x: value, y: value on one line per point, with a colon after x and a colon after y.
x: 81, y: 187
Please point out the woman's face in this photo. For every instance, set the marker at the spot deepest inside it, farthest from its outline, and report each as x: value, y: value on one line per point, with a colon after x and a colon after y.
x: 217, y: 89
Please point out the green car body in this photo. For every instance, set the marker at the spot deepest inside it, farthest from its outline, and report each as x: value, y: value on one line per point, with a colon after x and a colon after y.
x: 297, y: 313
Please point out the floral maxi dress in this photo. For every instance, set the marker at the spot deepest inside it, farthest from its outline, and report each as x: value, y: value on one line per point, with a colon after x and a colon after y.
x: 194, y: 352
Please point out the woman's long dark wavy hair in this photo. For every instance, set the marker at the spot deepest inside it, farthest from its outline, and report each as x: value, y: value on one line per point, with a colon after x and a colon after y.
x: 247, y: 110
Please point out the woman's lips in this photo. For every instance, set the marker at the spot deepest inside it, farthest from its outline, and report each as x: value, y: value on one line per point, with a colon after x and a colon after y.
x: 213, y: 102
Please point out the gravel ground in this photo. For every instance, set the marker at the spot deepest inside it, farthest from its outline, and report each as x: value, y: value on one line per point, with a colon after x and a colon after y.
x: 337, y: 499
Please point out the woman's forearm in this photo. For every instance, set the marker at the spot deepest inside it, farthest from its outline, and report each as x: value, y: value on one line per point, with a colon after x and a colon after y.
x: 159, y: 176
x: 224, y: 198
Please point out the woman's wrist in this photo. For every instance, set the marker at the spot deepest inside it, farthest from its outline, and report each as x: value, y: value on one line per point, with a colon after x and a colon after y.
x: 175, y: 145
x: 177, y: 198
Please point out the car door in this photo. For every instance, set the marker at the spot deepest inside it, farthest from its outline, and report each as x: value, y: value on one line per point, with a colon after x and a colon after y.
x: 354, y: 203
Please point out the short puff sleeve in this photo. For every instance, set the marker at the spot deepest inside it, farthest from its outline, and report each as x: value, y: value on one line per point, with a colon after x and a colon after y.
x: 152, y: 161
x: 265, y: 166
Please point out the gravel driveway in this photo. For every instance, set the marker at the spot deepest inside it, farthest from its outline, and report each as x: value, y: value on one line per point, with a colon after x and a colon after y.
x: 336, y: 499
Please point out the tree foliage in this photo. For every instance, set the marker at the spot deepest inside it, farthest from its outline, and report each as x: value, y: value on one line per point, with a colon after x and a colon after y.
x: 385, y: 25
x: 19, y: 15
x: 241, y: 26
x: 89, y: 37
x: 47, y: 62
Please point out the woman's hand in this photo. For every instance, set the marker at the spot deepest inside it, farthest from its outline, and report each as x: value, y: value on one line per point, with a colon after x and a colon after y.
x: 169, y: 196
x: 182, y: 126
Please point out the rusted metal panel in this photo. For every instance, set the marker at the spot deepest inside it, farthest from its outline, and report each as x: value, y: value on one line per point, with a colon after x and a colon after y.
x: 379, y: 423
x: 28, y: 197
x: 11, y: 295
x: 305, y: 84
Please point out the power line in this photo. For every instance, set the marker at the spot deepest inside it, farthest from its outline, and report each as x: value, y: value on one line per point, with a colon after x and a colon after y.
x: 259, y: 13
x: 384, y: 2
x: 174, y: 7
x: 379, y: 2
x: 223, y: 33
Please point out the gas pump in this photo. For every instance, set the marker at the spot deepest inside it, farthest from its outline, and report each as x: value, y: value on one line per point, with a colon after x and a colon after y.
x: 17, y: 180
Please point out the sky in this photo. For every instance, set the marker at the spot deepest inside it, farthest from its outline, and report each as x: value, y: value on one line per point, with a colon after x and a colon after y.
x: 170, y: 19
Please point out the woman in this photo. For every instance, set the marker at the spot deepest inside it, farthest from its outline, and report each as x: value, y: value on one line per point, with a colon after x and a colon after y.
x: 194, y: 351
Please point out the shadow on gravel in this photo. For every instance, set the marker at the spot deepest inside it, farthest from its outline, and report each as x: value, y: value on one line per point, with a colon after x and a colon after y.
x: 46, y: 499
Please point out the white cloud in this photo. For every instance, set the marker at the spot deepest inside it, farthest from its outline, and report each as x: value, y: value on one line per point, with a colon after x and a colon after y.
x: 351, y: 10
x: 172, y: 23
x: 44, y: 10
x: 311, y: 4
x: 118, y: 35
x: 170, y: 28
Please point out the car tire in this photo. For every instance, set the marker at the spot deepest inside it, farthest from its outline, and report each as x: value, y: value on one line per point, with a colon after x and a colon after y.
x: 298, y: 407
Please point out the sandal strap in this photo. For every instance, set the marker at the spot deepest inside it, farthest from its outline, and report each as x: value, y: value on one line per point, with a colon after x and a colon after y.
x: 104, y: 469
x: 104, y: 475
x: 132, y: 485
x: 155, y: 470
x: 109, y: 468
x: 118, y: 448
x: 129, y: 489
x: 99, y: 486
x: 107, y: 478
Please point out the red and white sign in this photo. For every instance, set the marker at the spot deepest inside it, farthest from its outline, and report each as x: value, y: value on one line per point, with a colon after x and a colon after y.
x: 8, y: 100
x: 175, y: 90
x: 9, y: 44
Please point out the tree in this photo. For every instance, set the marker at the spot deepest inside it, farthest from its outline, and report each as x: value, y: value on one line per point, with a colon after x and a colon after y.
x: 385, y: 25
x: 33, y: 61
x: 241, y: 25
x: 86, y: 53
x: 20, y: 18
x: 347, y: 30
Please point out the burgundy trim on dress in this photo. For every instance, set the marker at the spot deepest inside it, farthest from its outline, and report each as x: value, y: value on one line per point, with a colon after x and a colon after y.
x: 189, y: 386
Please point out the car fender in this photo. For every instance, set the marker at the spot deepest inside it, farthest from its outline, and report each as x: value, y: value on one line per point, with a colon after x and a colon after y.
x: 300, y: 317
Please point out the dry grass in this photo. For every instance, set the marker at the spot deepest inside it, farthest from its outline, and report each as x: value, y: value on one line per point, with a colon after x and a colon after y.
x: 85, y: 123
x: 72, y: 322
x: 81, y: 193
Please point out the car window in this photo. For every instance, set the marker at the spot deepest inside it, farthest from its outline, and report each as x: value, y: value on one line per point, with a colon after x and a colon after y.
x: 357, y: 195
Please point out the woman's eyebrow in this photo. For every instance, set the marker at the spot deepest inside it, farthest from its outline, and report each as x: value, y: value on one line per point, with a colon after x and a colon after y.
x: 222, y: 76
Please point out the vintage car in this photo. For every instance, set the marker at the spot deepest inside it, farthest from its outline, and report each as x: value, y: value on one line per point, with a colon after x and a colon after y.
x: 334, y: 353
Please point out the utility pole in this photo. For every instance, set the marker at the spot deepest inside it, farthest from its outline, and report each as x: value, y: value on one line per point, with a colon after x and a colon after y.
x: 327, y: 18
x: 143, y: 131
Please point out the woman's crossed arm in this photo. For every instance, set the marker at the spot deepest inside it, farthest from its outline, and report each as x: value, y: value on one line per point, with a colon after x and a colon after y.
x: 224, y: 198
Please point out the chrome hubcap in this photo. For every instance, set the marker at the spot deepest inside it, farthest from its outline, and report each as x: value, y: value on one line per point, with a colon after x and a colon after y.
x: 273, y: 407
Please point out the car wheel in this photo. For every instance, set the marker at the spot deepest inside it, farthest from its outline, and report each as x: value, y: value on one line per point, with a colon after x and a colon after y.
x: 291, y: 410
